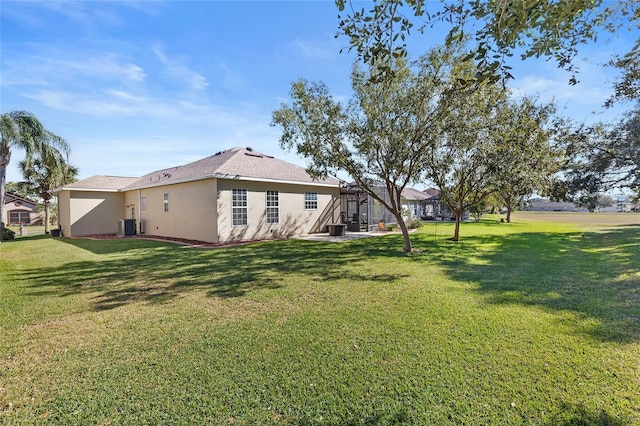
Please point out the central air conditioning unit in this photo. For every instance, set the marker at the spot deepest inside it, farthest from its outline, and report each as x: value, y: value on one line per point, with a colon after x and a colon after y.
x: 126, y: 227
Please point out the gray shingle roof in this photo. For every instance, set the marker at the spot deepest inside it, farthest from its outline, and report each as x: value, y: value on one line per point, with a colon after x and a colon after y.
x: 432, y: 192
x: 10, y: 198
x: 101, y: 183
x: 235, y: 163
x: 414, y: 194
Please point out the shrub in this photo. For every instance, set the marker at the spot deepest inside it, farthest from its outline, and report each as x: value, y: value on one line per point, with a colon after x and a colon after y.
x: 414, y: 223
x: 7, y: 234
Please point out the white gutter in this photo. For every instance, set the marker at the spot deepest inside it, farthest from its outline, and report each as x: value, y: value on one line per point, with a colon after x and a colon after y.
x: 229, y: 177
x: 55, y: 191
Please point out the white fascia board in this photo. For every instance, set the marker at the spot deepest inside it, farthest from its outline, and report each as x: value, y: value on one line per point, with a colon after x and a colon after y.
x: 55, y: 191
x: 289, y: 182
x: 231, y: 177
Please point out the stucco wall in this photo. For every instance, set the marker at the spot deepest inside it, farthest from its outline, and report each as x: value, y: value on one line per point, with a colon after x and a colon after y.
x: 23, y: 207
x: 293, y: 218
x: 64, y: 219
x: 413, y: 206
x: 191, y: 215
x: 90, y: 213
x: 199, y: 210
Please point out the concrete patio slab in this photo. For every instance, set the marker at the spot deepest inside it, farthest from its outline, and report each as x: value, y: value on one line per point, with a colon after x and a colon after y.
x: 349, y: 236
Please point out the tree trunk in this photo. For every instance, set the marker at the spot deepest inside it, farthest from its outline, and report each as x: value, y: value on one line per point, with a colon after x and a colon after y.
x: 3, y: 209
x: 47, y: 220
x: 408, y: 248
x: 509, y: 202
x: 456, y: 232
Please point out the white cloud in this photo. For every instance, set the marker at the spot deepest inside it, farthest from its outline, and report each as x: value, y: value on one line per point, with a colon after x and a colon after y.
x: 176, y: 68
x: 558, y: 87
x: 107, y: 66
x: 551, y: 84
x: 102, y: 104
x: 160, y: 151
x: 103, y: 85
x: 86, y: 14
x: 312, y: 50
x: 110, y: 103
x: 51, y: 67
x: 230, y: 78
x: 75, y: 12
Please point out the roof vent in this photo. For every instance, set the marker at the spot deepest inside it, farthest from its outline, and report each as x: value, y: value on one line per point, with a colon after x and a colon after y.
x: 249, y: 149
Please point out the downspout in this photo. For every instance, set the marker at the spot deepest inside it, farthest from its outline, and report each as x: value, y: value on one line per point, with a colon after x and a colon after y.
x: 139, y: 212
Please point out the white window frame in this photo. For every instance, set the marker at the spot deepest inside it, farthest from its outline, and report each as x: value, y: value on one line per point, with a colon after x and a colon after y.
x: 272, y: 211
x: 239, y: 207
x: 21, y: 215
x: 165, y: 202
x: 143, y: 203
x: 311, y: 201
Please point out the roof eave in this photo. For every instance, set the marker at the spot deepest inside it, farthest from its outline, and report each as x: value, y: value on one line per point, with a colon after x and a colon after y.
x: 57, y: 190
x: 229, y: 177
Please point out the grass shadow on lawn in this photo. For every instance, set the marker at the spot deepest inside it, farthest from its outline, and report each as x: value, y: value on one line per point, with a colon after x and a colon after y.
x: 26, y: 238
x: 150, y: 271
x: 576, y: 415
x: 594, y: 274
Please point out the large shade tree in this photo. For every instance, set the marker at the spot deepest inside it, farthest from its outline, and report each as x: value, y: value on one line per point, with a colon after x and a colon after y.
x: 462, y: 160
x: 380, y: 136
x: 499, y: 29
x: 626, y: 88
x: 601, y: 158
x: 605, y: 156
x: 525, y: 158
x: 22, y: 130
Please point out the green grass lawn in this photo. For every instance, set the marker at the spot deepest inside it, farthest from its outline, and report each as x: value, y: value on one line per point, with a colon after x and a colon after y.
x: 29, y: 230
x: 532, y: 322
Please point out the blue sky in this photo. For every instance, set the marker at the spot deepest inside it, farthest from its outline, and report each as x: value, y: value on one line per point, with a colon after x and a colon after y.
x: 138, y: 86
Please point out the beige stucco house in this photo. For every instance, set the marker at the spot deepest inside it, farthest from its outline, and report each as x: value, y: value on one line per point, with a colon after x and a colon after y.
x: 413, y: 201
x: 234, y: 195
x: 20, y: 210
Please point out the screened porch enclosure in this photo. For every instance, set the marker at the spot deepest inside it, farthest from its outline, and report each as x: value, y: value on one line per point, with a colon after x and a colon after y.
x: 361, y: 212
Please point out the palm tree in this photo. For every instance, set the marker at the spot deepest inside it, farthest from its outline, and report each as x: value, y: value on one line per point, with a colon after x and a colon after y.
x: 21, y: 129
x: 43, y: 174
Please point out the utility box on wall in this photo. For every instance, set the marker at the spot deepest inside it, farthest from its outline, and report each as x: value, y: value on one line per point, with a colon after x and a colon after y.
x: 127, y: 227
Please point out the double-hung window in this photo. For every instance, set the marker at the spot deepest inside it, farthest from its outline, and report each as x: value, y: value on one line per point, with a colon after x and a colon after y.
x: 165, y: 202
x: 19, y: 217
x: 311, y: 201
x: 239, y: 207
x: 272, y: 212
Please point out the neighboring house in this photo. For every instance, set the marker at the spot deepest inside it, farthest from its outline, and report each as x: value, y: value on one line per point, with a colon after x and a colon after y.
x: 20, y: 210
x: 612, y: 209
x: 621, y: 207
x: 551, y: 206
x: 360, y: 211
x: 414, y: 201
x: 234, y: 195
x: 435, y: 209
